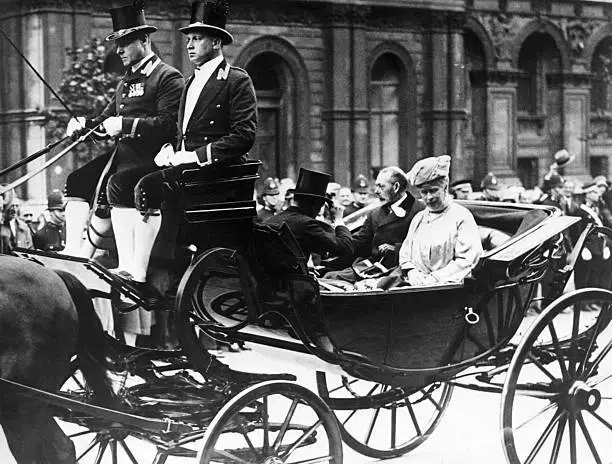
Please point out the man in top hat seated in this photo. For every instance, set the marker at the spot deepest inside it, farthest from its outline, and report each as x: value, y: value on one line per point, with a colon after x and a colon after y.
x: 462, y: 189
x: 271, y: 200
x: 361, y: 191
x: 385, y: 227
x: 142, y: 117
x: 312, y: 235
x: 217, y: 122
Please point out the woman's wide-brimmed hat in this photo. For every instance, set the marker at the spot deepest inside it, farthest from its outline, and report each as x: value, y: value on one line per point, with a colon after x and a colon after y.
x: 129, y: 19
x: 312, y: 184
x: 428, y: 169
x: 563, y: 158
x: 211, y: 16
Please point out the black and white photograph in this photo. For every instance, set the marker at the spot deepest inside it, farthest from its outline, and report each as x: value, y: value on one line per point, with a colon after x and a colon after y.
x: 306, y: 231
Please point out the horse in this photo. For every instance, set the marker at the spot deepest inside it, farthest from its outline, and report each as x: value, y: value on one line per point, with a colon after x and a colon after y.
x: 46, y: 317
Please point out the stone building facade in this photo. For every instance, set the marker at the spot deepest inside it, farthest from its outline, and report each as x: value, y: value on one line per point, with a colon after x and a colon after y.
x: 350, y: 86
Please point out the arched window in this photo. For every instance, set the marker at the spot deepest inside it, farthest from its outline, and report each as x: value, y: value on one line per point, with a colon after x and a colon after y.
x: 538, y: 58
x: 601, y: 88
x: 385, y: 111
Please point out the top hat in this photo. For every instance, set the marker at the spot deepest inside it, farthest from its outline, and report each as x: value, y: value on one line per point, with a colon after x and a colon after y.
x: 129, y: 19
x: 55, y: 200
x: 270, y: 187
x: 210, y: 15
x: 312, y: 184
x: 360, y: 185
x: 563, y: 158
x: 490, y: 182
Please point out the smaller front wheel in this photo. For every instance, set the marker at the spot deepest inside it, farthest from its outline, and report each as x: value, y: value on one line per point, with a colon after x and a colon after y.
x: 273, y: 422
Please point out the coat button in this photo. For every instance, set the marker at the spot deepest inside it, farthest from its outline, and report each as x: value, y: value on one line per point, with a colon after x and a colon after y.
x: 212, y: 122
x: 218, y: 106
x: 205, y: 139
x: 122, y: 106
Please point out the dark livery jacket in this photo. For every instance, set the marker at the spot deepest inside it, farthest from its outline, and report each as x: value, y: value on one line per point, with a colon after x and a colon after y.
x: 315, y: 236
x: 225, y: 116
x: 148, y: 100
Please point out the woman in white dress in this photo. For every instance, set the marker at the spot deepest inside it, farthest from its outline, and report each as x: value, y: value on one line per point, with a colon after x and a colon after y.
x: 443, y: 243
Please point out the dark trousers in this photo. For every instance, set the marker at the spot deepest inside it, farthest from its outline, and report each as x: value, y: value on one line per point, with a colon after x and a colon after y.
x: 82, y: 182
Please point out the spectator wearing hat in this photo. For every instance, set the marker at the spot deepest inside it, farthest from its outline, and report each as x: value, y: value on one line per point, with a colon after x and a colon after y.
x: 491, y: 188
x: 461, y: 189
x: 142, y: 117
x: 591, y: 268
x: 315, y: 236
x: 52, y: 235
x: 270, y: 198
x: 361, y: 192
x: 286, y: 187
x: 554, y: 196
x: 217, y: 123
x: 14, y: 232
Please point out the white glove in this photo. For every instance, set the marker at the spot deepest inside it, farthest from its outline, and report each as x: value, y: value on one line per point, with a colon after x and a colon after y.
x: 184, y: 157
x: 113, y: 125
x: 165, y: 155
x: 586, y: 254
x: 606, y: 253
x: 74, y: 125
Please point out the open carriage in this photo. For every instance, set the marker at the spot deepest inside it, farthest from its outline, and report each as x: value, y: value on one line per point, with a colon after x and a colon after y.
x: 397, y: 354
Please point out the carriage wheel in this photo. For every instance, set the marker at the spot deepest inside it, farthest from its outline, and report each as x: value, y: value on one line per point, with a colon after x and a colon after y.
x: 273, y: 422
x: 557, y: 402
x: 381, y: 421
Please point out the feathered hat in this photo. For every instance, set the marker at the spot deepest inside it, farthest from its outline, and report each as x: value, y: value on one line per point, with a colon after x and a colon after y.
x: 212, y: 16
x: 129, y: 19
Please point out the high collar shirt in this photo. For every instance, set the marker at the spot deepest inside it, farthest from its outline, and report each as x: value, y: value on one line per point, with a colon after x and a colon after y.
x: 140, y: 64
x: 201, y: 76
x: 396, y: 207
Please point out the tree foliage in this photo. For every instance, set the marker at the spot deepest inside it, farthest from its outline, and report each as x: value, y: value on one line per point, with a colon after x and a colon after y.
x: 87, y: 89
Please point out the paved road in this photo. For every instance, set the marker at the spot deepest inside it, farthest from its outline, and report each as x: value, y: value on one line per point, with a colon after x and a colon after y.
x: 468, y: 433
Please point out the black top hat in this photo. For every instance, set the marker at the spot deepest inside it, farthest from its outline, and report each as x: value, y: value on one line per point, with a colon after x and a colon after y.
x: 312, y: 184
x: 129, y: 19
x: 211, y: 15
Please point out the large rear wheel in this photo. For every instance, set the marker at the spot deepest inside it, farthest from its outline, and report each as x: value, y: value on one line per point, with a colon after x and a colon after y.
x: 557, y: 398
x: 381, y: 421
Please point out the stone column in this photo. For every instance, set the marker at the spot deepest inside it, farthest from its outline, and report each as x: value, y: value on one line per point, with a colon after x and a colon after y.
x: 444, y: 106
x: 575, y: 122
x: 345, y: 113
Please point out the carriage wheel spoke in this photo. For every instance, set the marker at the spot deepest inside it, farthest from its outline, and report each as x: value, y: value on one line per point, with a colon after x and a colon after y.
x: 92, y: 445
x: 128, y: 451
x: 301, y: 440
x: 549, y: 428
x: 113, y: 447
x: 540, y: 366
x: 588, y: 438
x: 596, y: 330
x: 315, y: 460
x: 558, y: 439
x: 435, y: 403
x: 601, y: 419
x: 266, y: 428
x: 284, y: 426
x: 371, y: 426
x: 414, y: 419
x: 101, y: 450
x: 599, y: 358
x: 343, y: 386
x: 393, y: 424
x: 80, y: 434
x: 538, y: 414
x: 245, y: 434
x: 560, y: 357
x: 574, y: 349
x: 231, y: 457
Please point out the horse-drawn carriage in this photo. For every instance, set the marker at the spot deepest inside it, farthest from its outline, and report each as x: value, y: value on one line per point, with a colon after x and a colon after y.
x: 397, y: 354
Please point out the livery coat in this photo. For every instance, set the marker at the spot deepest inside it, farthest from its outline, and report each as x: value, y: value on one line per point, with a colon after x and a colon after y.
x: 315, y: 236
x: 148, y: 100
x: 383, y: 226
x: 224, y: 117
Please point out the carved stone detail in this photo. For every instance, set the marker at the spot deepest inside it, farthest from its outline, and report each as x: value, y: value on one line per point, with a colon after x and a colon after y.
x: 577, y: 33
x: 502, y: 28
